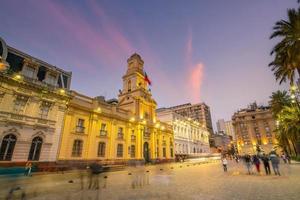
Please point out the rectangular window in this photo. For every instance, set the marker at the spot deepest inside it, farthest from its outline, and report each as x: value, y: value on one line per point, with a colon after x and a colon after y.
x: 44, y: 109
x: 120, y: 133
x: 77, y: 148
x: 29, y: 72
x: 120, y: 150
x: 132, y: 151
x: 80, y: 126
x: 164, y: 152
x: 51, y: 79
x: 101, y: 149
x: 20, y: 104
x: 103, y: 131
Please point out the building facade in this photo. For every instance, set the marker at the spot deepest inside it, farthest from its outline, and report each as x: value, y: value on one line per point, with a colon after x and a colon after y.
x: 199, y: 112
x: 190, y: 137
x: 254, y: 129
x: 221, y: 125
x: 229, y: 130
x: 33, y: 100
x: 117, y: 130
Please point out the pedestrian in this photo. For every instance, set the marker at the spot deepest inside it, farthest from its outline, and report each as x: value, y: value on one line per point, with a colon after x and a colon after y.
x: 265, y: 160
x: 248, y: 163
x: 28, y: 168
x: 275, y: 162
x: 95, y: 170
x: 225, y: 163
x: 288, y: 158
x: 283, y: 156
x: 256, y: 162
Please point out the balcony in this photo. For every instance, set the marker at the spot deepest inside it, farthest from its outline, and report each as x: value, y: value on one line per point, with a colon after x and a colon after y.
x: 80, y: 129
x: 103, y: 133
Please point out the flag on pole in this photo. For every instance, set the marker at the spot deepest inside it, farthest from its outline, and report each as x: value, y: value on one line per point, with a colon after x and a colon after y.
x: 147, y: 79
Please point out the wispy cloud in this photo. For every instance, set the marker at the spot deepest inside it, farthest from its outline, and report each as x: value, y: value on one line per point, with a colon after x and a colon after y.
x: 195, y: 71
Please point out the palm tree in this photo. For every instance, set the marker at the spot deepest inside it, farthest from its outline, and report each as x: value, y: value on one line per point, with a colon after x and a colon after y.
x: 279, y: 99
x: 290, y: 120
x: 287, y: 57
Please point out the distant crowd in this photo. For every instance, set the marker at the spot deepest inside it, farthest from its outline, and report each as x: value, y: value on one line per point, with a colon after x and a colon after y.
x: 256, y: 160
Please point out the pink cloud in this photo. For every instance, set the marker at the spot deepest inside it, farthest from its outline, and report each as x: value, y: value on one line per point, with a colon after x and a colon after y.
x: 195, y: 72
x: 195, y: 81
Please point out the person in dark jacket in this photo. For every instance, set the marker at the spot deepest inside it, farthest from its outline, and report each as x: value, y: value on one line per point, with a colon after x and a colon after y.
x: 256, y: 162
x: 275, y: 162
x: 248, y: 163
x: 95, y: 170
x: 265, y: 160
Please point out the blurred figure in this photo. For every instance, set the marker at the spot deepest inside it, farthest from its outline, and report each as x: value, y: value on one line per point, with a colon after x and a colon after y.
x: 236, y: 159
x: 283, y: 156
x: 288, y: 158
x: 248, y: 163
x: 265, y: 160
x: 28, y: 168
x: 275, y: 162
x: 256, y: 162
x: 95, y: 170
x: 225, y: 163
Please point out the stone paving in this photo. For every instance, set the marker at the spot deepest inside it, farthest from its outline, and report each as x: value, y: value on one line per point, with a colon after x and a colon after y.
x: 176, y: 181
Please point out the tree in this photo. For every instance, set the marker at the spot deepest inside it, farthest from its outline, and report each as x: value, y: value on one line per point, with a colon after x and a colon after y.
x: 290, y: 121
x: 279, y: 99
x: 286, y: 53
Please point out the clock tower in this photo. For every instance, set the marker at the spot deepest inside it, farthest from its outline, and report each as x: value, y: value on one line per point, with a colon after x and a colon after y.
x: 135, y: 95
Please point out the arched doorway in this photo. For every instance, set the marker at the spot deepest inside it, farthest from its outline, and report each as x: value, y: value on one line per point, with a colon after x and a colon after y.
x: 7, y: 147
x: 35, y: 149
x: 146, y: 152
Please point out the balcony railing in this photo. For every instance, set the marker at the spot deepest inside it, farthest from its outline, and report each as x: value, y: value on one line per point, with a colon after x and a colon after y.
x: 80, y: 129
x: 103, y: 133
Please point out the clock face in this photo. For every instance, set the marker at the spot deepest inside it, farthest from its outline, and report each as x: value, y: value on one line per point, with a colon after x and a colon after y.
x: 3, y: 49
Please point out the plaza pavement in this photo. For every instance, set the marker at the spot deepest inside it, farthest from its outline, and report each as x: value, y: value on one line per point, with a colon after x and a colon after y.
x: 169, y: 181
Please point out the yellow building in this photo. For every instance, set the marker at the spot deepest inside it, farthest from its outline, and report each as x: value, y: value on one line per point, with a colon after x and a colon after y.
x: 254, y: 129
x: 33, y: 98
x: 117, y: 130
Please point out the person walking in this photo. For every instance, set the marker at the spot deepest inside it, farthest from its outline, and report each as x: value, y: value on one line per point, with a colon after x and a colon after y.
x: 225, y: 163
x: 256, y: 162
x: 283, y: 156
x: 275, y: 162
x: 95, y: 170
x: 265, y: 160
x: 248, y: 163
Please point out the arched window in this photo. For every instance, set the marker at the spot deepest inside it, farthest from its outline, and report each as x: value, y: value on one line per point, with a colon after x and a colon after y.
x: 129, y: 85
x: 35, y: 149
x: 7, y: 147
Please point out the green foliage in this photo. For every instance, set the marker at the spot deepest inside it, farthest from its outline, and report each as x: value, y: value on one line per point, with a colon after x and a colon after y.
x: 279, y: 99
x: 286, y: 53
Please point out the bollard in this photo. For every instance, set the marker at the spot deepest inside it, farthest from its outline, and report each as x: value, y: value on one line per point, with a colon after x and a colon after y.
x: 71, y: 181
x: 147, y: 171
x: 161, y: 169
x: 105, y: 177
x: 129, y: 174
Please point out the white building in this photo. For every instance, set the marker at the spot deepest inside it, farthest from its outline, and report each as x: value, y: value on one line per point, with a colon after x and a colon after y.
x: 190, y: 138
x: 221, y: 125
x: 229, y: 130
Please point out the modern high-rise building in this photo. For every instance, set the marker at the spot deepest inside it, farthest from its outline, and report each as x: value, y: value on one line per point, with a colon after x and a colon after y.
x: 190, y: 138
x: 254, y: 129
x: 221, y: 125
x: 33, y: 100
x: 199, y: 112
x: 229, y: 130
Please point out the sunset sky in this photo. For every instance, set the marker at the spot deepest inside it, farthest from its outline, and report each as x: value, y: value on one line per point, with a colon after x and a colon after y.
x: 214, y: 51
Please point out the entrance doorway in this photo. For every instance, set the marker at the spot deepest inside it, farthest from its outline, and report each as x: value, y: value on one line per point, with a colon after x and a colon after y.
x: 146, y: 152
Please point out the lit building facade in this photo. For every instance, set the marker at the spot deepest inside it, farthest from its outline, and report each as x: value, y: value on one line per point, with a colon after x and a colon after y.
x: 254, y: 129
x: 33, y: 100
x: 199, y: 112
x: 229, y: 130
x: 117, y: 130
x: 190, y: 137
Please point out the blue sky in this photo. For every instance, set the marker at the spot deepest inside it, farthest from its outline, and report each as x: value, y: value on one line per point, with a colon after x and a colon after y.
x: 196, y: 50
